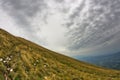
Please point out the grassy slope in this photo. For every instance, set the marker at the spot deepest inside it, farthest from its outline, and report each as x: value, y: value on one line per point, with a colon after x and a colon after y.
x: 32, y: 62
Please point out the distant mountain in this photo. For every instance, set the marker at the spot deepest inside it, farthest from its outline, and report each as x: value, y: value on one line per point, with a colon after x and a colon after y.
x: 23, y: 60
x: 109, y: 61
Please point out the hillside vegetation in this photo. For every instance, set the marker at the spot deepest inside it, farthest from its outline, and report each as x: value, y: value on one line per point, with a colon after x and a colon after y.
x: 21, y: 59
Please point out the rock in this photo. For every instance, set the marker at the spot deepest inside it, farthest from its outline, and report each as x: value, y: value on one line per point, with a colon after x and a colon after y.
x: 1, y: 59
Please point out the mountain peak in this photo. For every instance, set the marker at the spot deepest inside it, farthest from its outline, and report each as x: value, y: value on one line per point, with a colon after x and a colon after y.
x: 23, y: 60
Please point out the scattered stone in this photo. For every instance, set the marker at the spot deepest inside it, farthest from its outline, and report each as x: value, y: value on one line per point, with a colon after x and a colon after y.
x: 11, y: 70
x: 9, y: 59
x: 35, y: 64
x: 37, y: 61
x: 4, y: 61
x: 11, y: 56
x: 46, y: 78
x: 46, y: 65
x: 1, y: 59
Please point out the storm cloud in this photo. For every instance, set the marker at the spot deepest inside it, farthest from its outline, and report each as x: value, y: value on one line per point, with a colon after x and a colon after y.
x: 73, y: 27
x: 98, y: 27
x: 23, y: 10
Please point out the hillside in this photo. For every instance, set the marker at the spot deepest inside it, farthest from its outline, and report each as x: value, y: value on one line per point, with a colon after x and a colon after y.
x: 109, y: 61
x: 21, y: 59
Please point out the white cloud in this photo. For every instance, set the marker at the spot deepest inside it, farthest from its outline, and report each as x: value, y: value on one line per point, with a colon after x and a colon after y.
x: 68, y: 26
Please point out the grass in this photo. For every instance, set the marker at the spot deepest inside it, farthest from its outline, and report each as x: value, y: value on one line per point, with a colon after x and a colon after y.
x: 30, y: 61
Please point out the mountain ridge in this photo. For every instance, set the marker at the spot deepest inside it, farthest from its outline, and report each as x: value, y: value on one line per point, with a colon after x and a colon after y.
x: 111, y: 61
x: 21, y: 59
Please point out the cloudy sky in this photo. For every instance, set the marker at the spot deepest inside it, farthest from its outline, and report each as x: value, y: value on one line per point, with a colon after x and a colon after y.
x: 71, y: 27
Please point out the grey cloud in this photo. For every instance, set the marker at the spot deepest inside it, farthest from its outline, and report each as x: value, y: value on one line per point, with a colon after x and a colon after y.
x: 91, y: 31
x: 76, y: 13
x: 99, y: 25
x: 59, y: 1
x: 23, y: 10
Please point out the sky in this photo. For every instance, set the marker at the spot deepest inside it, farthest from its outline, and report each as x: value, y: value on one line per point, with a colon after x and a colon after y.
x: 70, y: 27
